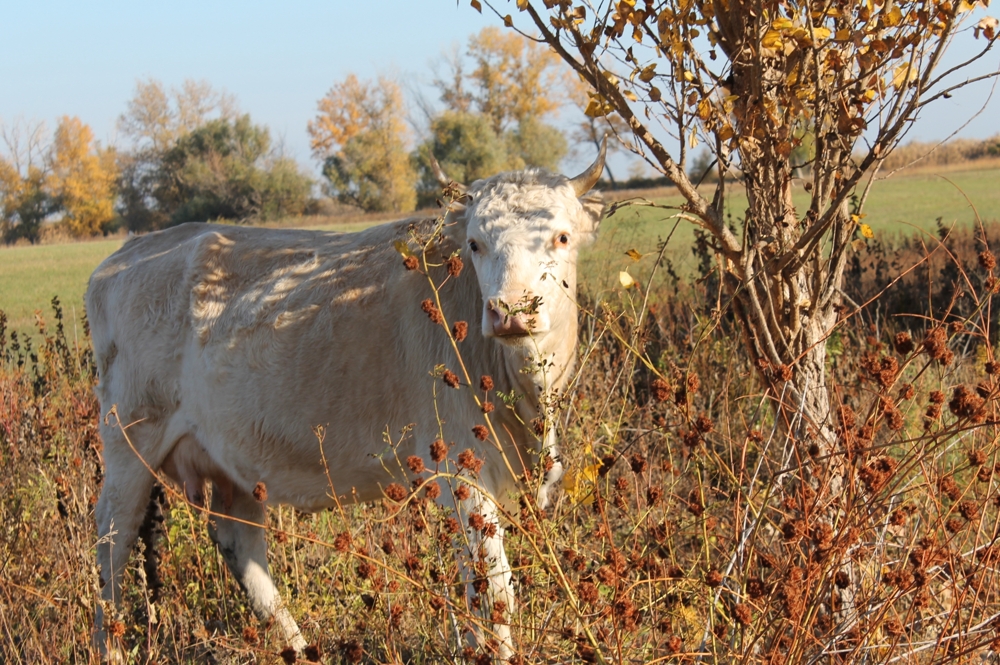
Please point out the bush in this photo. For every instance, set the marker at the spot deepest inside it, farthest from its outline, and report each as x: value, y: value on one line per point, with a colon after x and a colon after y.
x: 678, y: 530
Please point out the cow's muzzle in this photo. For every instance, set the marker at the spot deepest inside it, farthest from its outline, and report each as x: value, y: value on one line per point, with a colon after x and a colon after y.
x: 505, y: 323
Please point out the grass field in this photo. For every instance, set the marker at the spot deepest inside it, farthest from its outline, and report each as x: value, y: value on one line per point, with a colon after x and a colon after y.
x: 30, y: 276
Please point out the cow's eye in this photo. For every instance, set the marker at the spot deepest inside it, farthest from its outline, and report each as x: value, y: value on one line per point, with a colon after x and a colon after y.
x: 473, y: 245
x: 562, y: 240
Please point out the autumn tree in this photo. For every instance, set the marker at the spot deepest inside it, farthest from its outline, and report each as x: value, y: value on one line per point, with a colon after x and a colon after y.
x: 82, y: 179
x: 24, y: 200
x: 498, y: 99
x: 226, y: 169
x: 70, y: 176
x: 742, y: 78
x: 360, y: 136
x: 155, y: 118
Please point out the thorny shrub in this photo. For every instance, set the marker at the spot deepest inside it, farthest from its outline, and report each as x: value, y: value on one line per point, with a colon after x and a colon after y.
x: 681, y: 533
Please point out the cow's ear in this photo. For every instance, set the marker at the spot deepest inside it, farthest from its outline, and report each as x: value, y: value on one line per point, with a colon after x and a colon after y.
x: 593, y: 210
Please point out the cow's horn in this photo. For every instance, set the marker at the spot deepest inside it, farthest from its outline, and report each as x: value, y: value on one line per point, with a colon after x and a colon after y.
x: 585, y: 182
x: 445, y: 181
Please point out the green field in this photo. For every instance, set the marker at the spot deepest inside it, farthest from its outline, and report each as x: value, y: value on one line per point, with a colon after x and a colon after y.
x: 30, y: 276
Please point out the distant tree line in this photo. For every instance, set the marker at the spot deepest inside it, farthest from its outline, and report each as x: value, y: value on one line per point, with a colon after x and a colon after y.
x: 188, y: 153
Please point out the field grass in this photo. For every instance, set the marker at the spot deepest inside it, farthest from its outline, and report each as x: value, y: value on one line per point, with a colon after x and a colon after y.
x: 30, y: 276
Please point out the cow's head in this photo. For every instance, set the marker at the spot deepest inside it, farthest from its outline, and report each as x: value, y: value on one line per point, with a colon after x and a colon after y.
x: 523, y: 231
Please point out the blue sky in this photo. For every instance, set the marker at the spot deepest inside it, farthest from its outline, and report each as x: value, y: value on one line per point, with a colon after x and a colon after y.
x: 278, y: 59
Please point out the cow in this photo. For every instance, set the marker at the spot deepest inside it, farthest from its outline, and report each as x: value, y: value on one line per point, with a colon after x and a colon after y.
x: 221, y: 348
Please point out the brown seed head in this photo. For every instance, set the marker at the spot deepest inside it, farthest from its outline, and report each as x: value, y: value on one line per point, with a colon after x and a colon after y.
x: 481, y: 432
x: 907, y: 391
x: 117, y: 629
x: 468, y: 460
x: 742, y: 614
x: 937, y: 397
x: 704, y: 424
x: 903, y: 343
x: 431, y: 310
x: 986, y: 260
x: 432, y: 491
x: 713, y: 578
x: 477, y: 521
x: 488, y: 407
x: 693, y: 382
x: 462, y: 492
x: 486, y: 382
x: 460, y: 331
x: 396, y: 492
x: 288, y: 654
x: 260, y: 492
x: 411, y: 262
x: 342, y: 542
x: 947, y: 486
x: 415, y: 463
x: 993, y: 368
x: 313, y: 653
x: 638, y: 463
x: 454, y: 266
x: 969, y: 510
x: 965, y: 403
x: 250, y: 635
x: 660, y: 390
x: 977, y: 457
x: 936, y: 343
x: 439, y: 451
x: 450, y: 378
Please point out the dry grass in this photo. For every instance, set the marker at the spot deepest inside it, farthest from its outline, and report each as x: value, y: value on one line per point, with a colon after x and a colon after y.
x: 684, y: 532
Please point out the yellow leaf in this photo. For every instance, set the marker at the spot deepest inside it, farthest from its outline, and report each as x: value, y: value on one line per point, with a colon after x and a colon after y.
x: 821, y: 33
x: 403, y: 248
x: 522, y: 4
x: 634, y: 255
x: 647, y: 74
x: 843, y: 35
x: 782, y: 23
x: 704, y: 109
x: 578, y: 486
x: 726, y: 132
x: 688, y: 76
x: 477, y: 6
x: 858, y: 244
x: 508, y: 21
x: 866, y: 231
x: 963, y: 6
x: 629, y: 95
x: 772, y: 40
x: 894, y: 16
x: 626, y: 279
x: 597, y: 107
x: 903, y: 74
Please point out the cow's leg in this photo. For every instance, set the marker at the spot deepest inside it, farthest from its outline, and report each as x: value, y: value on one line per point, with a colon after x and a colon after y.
x: 245, y: 551
x: 487, y: 549
x: 554, y: 473
x: 121, y: 509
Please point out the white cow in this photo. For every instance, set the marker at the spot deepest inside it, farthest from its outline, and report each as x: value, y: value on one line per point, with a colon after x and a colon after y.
x: 226, y: 346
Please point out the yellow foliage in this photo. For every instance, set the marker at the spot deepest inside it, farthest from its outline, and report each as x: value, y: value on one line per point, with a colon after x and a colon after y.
x: 349, y: 108
x: 82, y: 178
x: 514, y: 78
